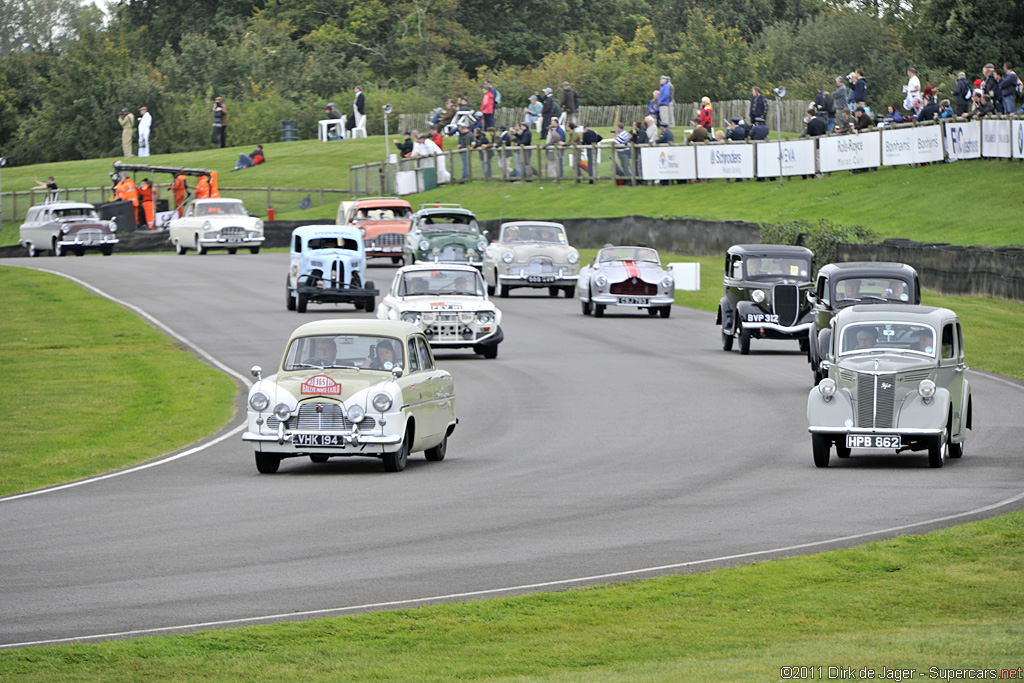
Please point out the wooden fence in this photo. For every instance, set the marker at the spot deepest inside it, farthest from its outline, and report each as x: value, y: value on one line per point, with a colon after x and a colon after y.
x: 792, y: 113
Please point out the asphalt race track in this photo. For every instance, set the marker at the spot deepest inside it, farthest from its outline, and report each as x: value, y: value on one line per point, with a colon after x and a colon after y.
x: 590, y: 450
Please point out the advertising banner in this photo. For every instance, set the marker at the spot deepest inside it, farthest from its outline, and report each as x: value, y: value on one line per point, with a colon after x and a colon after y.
x: 911, y: 145
x: 995, y: 139
x: 963, y: 140
x: 797, y: 158
x: 725, y: 161
x: 1017, y: 139
x: 668, y: 163
x: 849, y: 152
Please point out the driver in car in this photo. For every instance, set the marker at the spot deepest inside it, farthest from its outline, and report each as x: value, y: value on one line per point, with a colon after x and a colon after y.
x: 851, y: 289
x: 416, y: 286
x: 326, y: 353
x: 461, y: 286
x: 512, y: 234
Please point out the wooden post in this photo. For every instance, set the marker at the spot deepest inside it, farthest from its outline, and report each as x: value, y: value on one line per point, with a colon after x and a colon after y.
x: 321, y: 196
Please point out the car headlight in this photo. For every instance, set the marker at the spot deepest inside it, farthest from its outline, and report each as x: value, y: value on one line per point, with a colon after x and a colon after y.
x: 382, y: 402
x: 424, y: 245
x: 362, y: 231
x: 600, y: 281
x: 113, y: 225
x: 508, y: 257
x: 758, y: 296
x: 573, y: 258
x: 827, y: 387
x: 207, y: 226
x: 481, y: 245
x: 485, y: 317
x: 356, y: 414
x: 435, y: 251
x: 428, y: 317
x: 668, y: 283
x: 466, y: 317
x: 926, y: 388
x: 259, y: 401
x: 470, y: 254
x: 259, y: 225
x: 282, y: 412
x: 63, y: 229
x: 411, y: 318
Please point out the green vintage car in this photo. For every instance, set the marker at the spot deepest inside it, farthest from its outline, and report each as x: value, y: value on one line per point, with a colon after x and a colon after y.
x: 444, y: 233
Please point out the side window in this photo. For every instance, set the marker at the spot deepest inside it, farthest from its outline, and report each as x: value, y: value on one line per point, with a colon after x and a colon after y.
x: 947, y: 340
x: 960, y: 342
x: 414, y: 363
x: 728, y: 265
x: 297, y: 247
x: 426, y: 360
x: 823, y: 289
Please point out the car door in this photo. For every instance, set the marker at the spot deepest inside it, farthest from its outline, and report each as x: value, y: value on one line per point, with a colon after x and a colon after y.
x: 432, y: 390
x: 951, y: 368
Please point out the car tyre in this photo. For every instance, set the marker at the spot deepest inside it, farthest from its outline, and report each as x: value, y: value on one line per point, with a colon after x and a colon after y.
x: 842, y: 450
x: 727, y: 335
x: 180, y: 249
x: 107, y: 251
x: 395, y: 462
x: 503, y: 290
x: 300, y: 304
x: 744, y: 341
x: 436, y: 454
x: 553, y: 290
x: 804, y: 346
x: 652, y: 311
x: 398, y: 259
x: 370, y: 302
x: 599, y: 310
x: 587, y: 307
x: 254, y: 250
x: 32, y: 251
x: 319, y: 459
x: 820, y: 445
x: 665, y: 311
x: 570, y: 291
x: 57, y: 249
x: 938, y: 449
x: 79, y: 252
x: 200, y: 249
x: 489, y: 352
x: 267, y: 463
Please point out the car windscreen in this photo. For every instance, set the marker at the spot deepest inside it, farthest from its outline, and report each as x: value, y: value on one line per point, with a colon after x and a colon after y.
x: 77, y: 212
x: 855, y: 290
x: 221, y: 209
x: 387, y: 213
x: 368, y: 352
x: 333, y: 243
x: 441, y: 282
x: 640, y: 254
x: 545, y: 234
x: 448, y: 222
x: 773, y: 267
x: 868, y: 337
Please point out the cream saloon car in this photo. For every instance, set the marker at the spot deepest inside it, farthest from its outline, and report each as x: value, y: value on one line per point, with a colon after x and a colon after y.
x: 531, y: 254
x: 448, y: 303
x: 366, y: 388
x: 216, y: 224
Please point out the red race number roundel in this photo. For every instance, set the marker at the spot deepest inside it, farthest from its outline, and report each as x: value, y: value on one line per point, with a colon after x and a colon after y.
x: 321, y: 385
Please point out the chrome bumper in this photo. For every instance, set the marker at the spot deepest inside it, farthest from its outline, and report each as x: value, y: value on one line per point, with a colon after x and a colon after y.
x: 225, y: 242
x: 352, y: 438
x: 879, y: 431
x: 613, y: 300
x: 107, y: 240
x: 540, y: 280
x: 784, y: 329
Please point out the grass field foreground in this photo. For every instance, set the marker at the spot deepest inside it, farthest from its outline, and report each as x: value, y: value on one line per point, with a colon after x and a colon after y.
x: 88, y: 387
x: 949, y: 600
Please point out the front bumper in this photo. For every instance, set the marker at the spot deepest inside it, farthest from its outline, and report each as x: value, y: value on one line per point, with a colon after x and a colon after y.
x: 916, y: 432
x: 614, y: 300
x: 351, y: 442
x: 770, y: 329
x: 231, y: 242
x: 336, y: 295
x: 445, y: 338
x: 92, y: 242
x: 538, y: 280
x: 477, y: 263
x: 386, y: 250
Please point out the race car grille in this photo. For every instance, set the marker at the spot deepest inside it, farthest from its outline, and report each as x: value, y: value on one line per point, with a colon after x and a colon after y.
x: 233, y: 231
x: 388, y: 239
x: 338, y: 274
x: 92, y: 236
x: 785, y: 301
x: 330, y: 419
x: 447, y: 317
x: 876, y: 399
x: 540, y: 266
x: 634, y: 286
x: 453, y: 253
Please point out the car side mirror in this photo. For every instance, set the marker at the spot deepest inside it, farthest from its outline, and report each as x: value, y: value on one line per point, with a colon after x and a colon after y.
x: 257, y: 372
x: 811, y: 296
x: 397, y: 371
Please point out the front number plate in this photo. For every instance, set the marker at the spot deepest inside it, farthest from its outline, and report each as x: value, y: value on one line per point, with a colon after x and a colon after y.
x: 319, y: 440
x: 762, y: 318
x: 634, y: 300
x: 540, y: 278
x: 872, y: 441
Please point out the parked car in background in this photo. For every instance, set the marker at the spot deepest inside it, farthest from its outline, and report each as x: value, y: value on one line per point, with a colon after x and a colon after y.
x: 444, y: 233
x: 765, y: 297
x: 216, y: 223
x: 367, y: 388
x: 531, y: 254
x: 384, y: 223
x: 61, y: 227
x: 448, y: 303
x: 894, y: 382
x: 630, y: 277
x: 840, y: 285
x: 328, y: 266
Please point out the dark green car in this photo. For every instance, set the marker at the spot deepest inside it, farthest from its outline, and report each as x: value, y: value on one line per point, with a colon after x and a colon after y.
x: 444, y: 233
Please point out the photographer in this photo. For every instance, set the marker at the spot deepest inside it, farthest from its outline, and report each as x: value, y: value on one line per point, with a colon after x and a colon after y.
x: 858, y: 88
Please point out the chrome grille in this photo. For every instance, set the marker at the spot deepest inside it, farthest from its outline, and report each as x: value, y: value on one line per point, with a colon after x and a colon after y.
x: 89, y: 236
x: 847, y: 375
x: 540, y: 266
x: 388, y: 239
x: 447, y: 317
x: 331, y: 419
x: 786, y: 303
x: 876, y: 400
x: 338, y: 273
x: 915, y: 376
x: 233, y: 230
x: 453, y: 253
x: 634, y: 286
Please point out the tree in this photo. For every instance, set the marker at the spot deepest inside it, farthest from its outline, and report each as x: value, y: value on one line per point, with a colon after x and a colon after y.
x: 967, y: 34
x: 44, y: 24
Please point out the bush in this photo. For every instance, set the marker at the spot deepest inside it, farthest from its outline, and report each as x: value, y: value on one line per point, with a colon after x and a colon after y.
x: 821, y: 237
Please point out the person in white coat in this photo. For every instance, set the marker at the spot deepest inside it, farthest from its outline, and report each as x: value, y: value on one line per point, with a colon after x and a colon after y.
x: 145, y: 123
x: 425, y: 147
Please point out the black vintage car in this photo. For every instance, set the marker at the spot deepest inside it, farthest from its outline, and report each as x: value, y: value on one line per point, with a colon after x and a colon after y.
x: 766, y: 289
x: 859, y: 282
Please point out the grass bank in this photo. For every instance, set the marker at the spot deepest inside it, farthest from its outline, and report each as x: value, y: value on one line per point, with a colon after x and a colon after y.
x: 88, y: 387
x: 949, y: 600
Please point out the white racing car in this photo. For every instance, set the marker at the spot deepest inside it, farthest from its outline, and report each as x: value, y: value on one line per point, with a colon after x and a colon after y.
x: 447, y: 302
x: 630, y: 277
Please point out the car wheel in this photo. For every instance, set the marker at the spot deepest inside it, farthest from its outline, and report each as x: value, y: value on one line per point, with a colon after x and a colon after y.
x: 79, y: 252
x: 107, y: 251
x: 938, y: 447
x: 232, y: 251
x: 289, y: 300
x: 587, y: 307
x: 956, y: 450
x: 821, y: 446
x: 267, y: 463
x: 398, y: 259
x: 180, y: 248
x: 804, y: 346
x: 599, y: 310
x: 744, y: 341
x: 490, y: 290
x: 486, y: 351
x: 570, y: 291
x: 300, y: 304
x: 318, y: 459
x: 652, y: 311
x: 436, y: 454
x: 395, y: 462
x: 665, y: 311
x: 370, y: 302
x: 503, y: 290
x: 57, y: 249
x: 32, y: 251
x: 254, y: 250
x: 553, y: 290
x: 726, y: 334
x: 842, y: 450
x: 200, y: 249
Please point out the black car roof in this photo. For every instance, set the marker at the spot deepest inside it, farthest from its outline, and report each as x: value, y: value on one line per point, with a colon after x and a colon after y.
x: 770, y: 250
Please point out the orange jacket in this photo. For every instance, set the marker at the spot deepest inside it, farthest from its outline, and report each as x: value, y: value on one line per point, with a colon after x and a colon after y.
x: 129, y: 192
x: 202, y: 187
x: 214, y: 190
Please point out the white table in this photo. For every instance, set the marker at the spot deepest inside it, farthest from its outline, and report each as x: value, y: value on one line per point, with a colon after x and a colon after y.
x: 324, y: 128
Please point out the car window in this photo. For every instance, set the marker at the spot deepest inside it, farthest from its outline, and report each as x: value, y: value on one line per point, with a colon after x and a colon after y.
x: 823, y: 289
x: 758, y: 267
x: 341, y: 350
x: 414, y: 363
x: 333, y: 243
x: 297, y: 247
x: 426, y: 359
x: 544, y: 234
x: 386, y: 213
x: 875, y: 336
x: 948, y: 349
x: 221, y: 209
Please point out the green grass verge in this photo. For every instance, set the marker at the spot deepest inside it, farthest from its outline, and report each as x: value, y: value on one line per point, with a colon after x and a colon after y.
x: 89, y: 388
x: 948, y: 599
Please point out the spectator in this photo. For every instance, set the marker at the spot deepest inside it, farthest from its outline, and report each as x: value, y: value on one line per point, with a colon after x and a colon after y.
x: 704, y: 116
x: 570, y: 104
x: 845, y: 122
x: 962, y: 94
x: 997, y: 97
x: 666, y: 102
x: 699, y: 133
x: 652, y: 106
x: 334, y: 131
x: 719, y: 135
x: 863, y: 121
x: 524, y: 138
x: 638, y: 136
x: 145, y: 125
x: 912, y: 88
x: 983, y: 106
x: 358, y: 109
x: 860, y: 89
x: 552, y: 145
x: 448, y: 116
x: 437, y: 137
x: 988, y: 86
x: 667, y: 136
x: 736, y: 131
x: 501, y: 142
x: 127, y: 121
x: 930, y: 111
x: 651, y: 123
x: 758, y: 104
x: 250, y: 160
x: 621, y: 151
x: 404, y: 145
x: 465, y: 143
x: 759, y: 131
x: 828, y: 107
x: 425, y: 148
x: 487, y: 108
x: 1008, y: 88
x: 50, y: 186
x: 549, y: 108
x: 892, y: 114
x: 533, y: 111
x: 220, y: 123
x: 945, y: 110
x: 815, y: 124
x: 482, y: 143
x: 839, y: 96
x: 590, y: 139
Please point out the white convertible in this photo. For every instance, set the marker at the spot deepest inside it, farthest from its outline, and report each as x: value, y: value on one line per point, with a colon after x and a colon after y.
x: 216, y: 224
x: 630, y: 277
x: 447, y: 302
x: 352, y: 388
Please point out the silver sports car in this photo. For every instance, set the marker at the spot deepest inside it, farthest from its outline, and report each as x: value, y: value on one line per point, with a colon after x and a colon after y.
x: 626, y: 276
